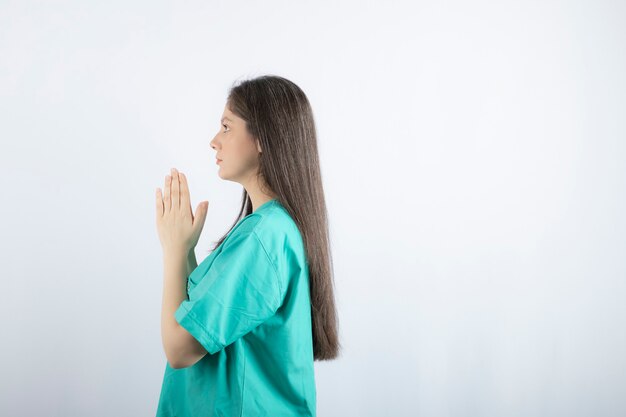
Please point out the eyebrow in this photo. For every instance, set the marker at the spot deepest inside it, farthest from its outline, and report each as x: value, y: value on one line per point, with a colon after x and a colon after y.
x: 225, y: 118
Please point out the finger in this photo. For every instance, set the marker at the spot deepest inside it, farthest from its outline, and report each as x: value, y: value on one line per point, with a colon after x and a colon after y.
x: 185, y: 200
x: 166, y: 200
x: 159, y: 203
x: 175, y: 190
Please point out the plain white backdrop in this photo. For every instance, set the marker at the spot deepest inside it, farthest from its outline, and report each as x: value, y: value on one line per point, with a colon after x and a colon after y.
x: 474, y: 163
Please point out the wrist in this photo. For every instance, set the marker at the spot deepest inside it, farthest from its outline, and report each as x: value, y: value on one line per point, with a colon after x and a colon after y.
x: 175, y: 255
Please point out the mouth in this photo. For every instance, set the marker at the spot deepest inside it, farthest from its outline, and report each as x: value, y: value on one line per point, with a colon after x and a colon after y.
x: 217, y: 161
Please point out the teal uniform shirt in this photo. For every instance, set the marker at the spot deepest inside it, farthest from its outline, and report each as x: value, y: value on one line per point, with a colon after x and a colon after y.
x: 249, y: 306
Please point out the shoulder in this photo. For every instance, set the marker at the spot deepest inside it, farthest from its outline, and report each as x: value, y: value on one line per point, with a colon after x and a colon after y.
x: 272, y: 234
x: 270, y: 223
x: 274, y: 228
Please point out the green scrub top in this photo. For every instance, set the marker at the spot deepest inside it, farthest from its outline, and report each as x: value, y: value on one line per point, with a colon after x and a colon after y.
x: 249, y: 306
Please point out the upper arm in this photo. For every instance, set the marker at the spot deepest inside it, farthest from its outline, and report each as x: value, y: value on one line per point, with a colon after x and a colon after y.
x: 238, y: 292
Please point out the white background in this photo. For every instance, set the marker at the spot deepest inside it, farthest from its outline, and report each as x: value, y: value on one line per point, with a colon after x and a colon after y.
x: 473, y: 157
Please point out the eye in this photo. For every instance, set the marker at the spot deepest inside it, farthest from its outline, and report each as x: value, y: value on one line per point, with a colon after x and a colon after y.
x: 224, y: 125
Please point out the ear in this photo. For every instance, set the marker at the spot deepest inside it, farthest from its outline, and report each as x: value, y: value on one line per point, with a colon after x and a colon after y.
x: 258, y: 146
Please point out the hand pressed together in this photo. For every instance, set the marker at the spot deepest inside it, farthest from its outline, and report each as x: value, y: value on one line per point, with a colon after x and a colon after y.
x: 178, y: 228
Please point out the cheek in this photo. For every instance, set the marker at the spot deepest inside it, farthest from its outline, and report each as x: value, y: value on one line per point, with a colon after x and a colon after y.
x: 244, y: 154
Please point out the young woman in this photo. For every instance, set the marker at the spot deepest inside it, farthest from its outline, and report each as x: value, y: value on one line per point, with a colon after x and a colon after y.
x: 242, y: 329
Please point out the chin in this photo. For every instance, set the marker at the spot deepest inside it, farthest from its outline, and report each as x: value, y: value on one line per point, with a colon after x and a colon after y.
x: 222, y: 176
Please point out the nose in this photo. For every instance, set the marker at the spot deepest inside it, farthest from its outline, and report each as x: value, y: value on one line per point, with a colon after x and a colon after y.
x: 213, y: 143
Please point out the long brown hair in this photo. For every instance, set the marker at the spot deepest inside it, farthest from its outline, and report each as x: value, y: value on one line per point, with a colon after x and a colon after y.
x: 278, y: 114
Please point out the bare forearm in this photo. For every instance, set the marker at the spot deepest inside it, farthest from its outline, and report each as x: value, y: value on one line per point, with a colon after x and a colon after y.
x: 175, y: 267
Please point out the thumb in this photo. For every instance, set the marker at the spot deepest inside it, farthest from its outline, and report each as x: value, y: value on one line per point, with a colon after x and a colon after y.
x: 200, y: 216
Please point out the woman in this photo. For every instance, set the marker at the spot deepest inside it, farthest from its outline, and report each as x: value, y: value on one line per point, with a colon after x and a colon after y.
x: 242, y: 329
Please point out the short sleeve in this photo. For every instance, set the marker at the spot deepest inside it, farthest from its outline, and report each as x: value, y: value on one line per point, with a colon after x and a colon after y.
x: 238, y: 292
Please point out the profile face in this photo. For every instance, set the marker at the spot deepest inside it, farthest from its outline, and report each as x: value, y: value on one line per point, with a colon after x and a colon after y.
x: 236, y: 148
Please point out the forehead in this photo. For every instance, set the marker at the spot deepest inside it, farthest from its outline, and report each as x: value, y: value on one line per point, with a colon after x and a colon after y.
x: 228, y: 115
